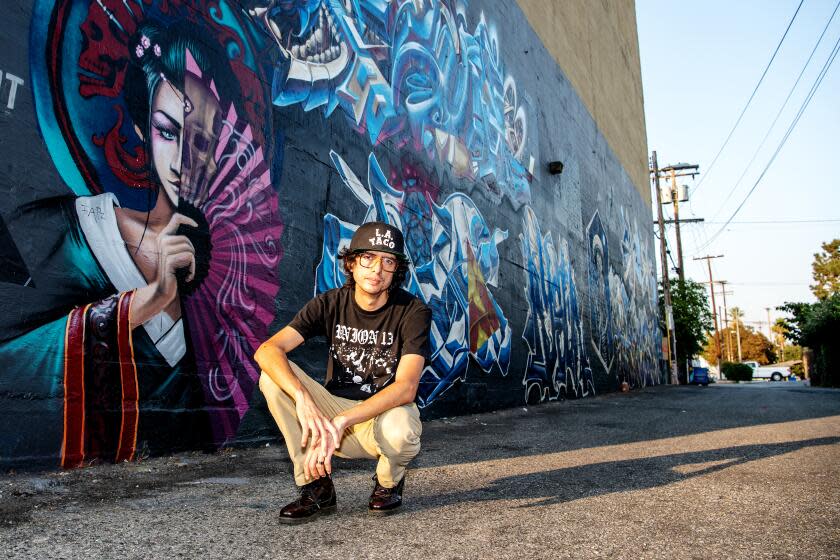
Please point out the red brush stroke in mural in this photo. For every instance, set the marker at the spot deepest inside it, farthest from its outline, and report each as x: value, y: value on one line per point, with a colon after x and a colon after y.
x: 54, y: 57
x: 72, y: 449
x: 130, y: 388
x: 411, y: 176
x: 133, y: 170
x: 104, y: 55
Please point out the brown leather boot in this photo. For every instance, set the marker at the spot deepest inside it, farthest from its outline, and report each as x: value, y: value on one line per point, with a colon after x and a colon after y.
x: 316, y: 498
x: 385, y: 500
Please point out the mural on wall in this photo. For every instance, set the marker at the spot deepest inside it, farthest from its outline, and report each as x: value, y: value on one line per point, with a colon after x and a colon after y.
x: 154, y: 115
x: 623, y: 305
x: 160, y: 117
x: 633, y: 302
x: 601, y: 334
x: 412, y: 73
x: 456, y: 261
x: 12, y: 268
x: 557, y: 366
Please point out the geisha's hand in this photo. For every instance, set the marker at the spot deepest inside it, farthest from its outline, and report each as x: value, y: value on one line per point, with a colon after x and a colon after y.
x: 173, y: 252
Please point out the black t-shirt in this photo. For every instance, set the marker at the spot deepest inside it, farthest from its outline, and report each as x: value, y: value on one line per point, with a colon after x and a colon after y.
x: 365, y: 346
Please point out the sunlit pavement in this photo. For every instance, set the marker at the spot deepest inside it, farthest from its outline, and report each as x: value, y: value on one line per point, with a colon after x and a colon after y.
x: 727, y: 471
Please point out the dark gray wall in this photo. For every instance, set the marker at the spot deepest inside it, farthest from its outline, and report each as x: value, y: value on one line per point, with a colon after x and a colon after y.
x: 442, y: 122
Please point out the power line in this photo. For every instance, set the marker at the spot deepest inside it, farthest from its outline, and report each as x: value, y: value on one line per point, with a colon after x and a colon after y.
x: 771, y: 221
x: 793, y: 124
x: 803, y: 221
x: 668, y: 252
x: 779, y: 114
x: 725, y: 142
x: 769, y: 283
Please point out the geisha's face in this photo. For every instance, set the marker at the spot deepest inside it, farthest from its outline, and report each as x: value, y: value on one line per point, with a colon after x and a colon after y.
x: 167, y: 125
x: 202, y: 127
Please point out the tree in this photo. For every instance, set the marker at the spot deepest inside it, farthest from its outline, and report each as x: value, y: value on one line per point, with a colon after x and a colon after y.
x: 736, y: 315
x: 815, y: 325
x: 826, y: 270
x: 692, y: 319
x: 788, y: 351
x: 754, y: 345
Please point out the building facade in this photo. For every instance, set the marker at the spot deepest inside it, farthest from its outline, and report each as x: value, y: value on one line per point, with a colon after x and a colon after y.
x: 506, y: 140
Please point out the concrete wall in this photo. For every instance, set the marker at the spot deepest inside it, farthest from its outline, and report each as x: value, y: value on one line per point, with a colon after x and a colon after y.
x: 597, y: 46
x: 278, y: 131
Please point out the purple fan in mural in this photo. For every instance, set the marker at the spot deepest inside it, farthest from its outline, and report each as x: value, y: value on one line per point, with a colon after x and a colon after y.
x: 229, y: 312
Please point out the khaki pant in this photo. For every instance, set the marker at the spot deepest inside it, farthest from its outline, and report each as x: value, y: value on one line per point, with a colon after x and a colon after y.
x: 393, y: 437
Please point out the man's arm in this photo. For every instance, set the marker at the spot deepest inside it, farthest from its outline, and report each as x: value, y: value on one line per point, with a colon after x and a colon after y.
x: 272, y: 358
x: 401, y: 391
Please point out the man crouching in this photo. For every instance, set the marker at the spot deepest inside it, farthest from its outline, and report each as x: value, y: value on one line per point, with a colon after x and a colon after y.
x: 379, y: 336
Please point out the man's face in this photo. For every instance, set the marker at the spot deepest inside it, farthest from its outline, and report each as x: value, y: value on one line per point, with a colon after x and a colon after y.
x: 374, y: 280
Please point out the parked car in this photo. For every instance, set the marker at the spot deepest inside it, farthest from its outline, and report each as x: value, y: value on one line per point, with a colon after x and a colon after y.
x: 771, y: 372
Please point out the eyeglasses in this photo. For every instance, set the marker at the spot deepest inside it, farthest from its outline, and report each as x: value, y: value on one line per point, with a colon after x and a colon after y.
x: 389, y: 264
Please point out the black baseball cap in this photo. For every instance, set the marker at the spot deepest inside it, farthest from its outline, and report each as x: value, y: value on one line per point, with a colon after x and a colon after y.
x: 378, y: 236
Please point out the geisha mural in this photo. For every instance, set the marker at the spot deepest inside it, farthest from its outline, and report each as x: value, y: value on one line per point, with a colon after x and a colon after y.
x: 155, y: 277
x: 144, y: 265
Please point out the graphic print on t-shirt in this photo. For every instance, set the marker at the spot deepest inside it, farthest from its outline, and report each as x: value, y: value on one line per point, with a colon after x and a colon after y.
x: 361, y: 353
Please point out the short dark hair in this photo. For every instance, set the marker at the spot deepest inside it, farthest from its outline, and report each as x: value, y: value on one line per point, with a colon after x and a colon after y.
x: 347, y: 256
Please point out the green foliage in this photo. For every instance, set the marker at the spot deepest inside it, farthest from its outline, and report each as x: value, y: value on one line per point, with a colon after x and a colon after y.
x: 692, y: 318
x: 792, y: 326
x: 815, y: 325
x: 754, y: 345
x: 736, y: 372
x: 791, y: 352
x: 826, y: 270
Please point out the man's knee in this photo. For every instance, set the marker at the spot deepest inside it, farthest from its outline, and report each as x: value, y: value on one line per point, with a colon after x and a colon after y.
x: 399, y: 432
x: 267, y: 385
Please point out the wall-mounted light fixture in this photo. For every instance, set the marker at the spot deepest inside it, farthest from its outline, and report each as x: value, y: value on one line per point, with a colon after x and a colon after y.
x: 555, y: 167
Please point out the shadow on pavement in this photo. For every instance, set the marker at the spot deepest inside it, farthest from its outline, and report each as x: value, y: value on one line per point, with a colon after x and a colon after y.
x: 568, y: 484
x: 616, y: 419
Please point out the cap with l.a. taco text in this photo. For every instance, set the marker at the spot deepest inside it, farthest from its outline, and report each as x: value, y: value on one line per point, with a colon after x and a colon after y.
x: 378, y: 236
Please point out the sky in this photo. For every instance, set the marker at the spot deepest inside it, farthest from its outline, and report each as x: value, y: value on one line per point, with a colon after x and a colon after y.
x: 701, y: 62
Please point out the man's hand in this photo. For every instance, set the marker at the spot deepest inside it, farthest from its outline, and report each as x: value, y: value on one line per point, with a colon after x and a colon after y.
x: 314, y: 425
x: 318, y: 461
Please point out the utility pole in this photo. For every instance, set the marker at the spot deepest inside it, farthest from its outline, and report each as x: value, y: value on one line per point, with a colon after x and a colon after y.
x: 708, y: 259
x: 676, y: 198
x: 738, y: 338
x: 770, y: 336
x: 666, y: 285
x: 769, y: 324
x: 723, y: 284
